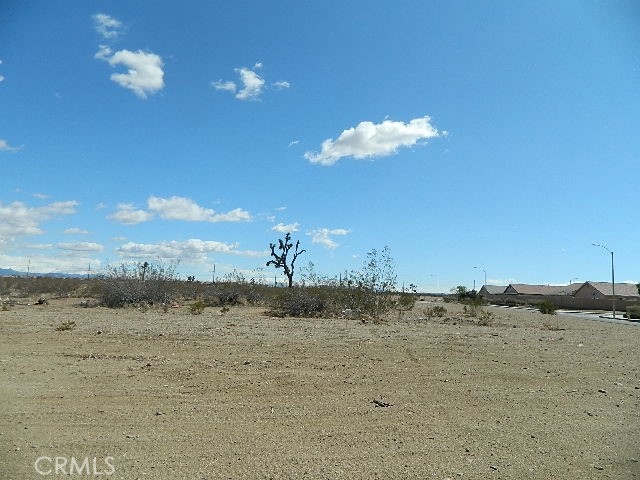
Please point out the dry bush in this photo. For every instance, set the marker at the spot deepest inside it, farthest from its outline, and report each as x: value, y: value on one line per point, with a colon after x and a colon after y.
x: 138, y: 283
x: 301, y: 302
x: 547, y: 308
x: 66, y: 326
x: 196, y: 308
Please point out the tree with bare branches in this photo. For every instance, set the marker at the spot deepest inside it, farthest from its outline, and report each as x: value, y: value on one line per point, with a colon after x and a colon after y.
x: 281, y: 259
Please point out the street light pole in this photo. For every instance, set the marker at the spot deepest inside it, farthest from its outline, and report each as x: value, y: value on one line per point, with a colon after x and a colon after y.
x: 485, y: 275
x: 613, y: 278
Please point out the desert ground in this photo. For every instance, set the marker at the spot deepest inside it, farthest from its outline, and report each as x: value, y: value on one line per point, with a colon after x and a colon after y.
x: 235, y: 395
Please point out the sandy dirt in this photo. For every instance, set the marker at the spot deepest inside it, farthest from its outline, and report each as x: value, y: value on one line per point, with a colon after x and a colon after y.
x: 241, y: 395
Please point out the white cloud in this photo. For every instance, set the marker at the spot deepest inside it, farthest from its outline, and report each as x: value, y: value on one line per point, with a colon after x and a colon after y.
x: 282, y: 228
x: 80, y: 246
x: 75, y: 231
x: 107, y: 26
x: 291, y: 144
x: 235, y: 215
x: 226, y: 86
x: 175, y: 208
x: 190, y: 251
x: 144, y: 75
x: 251, y: 85
x: 41, y: 196
x: 1, y: 77
x: 47, y: 263
x: 128, y: 215
x: 181, y: 208
x: 5, y: 147
x: 369, y: 140
x: 17, y: 219
x: 323, y: 236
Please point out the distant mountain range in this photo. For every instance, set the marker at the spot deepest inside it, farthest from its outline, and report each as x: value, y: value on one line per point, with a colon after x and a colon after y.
x: 9, y: 272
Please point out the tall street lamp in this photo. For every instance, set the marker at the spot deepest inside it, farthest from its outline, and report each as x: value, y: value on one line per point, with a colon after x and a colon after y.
x: 485, y: 275
x: 613, y: 281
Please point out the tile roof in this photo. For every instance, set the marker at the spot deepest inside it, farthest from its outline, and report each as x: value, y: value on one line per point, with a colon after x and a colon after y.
x: 622, y: 289
x: 524, y: 289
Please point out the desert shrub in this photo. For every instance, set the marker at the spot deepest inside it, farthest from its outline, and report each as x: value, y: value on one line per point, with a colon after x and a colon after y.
x: 406, y: 301
x: 66, y: 326
x: 633, y: 311
x: 300, y: 302
x: 196, y: 308
x: 485, y: 318
x: 437, y: 311
x: 475, y: 310
x: 547, y: 307
x: 137, y: 283
x: 461, y: 293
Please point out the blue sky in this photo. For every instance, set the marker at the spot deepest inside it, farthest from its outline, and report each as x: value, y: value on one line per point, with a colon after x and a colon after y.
x: 499, y: 135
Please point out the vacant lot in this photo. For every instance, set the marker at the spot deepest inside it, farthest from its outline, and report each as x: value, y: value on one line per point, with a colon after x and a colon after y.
x: 241, y: 395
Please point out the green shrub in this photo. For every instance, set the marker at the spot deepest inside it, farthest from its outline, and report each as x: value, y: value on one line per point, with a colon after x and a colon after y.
x: 438, y: 311
x: 300, y: 302
x: 633, y: 311
x: 547, y: 308
x: 406, y: 301
x: 196, y: 308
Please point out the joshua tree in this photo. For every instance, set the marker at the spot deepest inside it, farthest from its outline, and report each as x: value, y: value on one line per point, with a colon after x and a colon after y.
x: 281, y: 260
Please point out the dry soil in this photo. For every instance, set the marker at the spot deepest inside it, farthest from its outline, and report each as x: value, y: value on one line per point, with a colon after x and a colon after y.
x: 238, y: 395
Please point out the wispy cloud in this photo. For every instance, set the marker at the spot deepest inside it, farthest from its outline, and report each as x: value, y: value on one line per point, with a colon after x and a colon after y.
x: 368, y: 140
x: 75, y: 231
x: 323, y: 236
x: 251, y: 85
x: 107, y: 26
x: 144, y: 76
x: 5, y: 147
x: 80, y: 246
x: 1, y: 77
x: 286, y: 228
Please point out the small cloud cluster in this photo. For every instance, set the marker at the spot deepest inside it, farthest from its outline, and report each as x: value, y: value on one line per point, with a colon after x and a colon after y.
x: 175, y: 208
x: 144, y: 74
x: 252, y: 85
x: 5, y: 147
x: 80, y: 247
x: 190, y: 251
x: 107, y: 26
x: 288, y: 228
x: 17, y: 219
x: 323, y: 236
x: 1, y: 77
x: 368, y: 140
